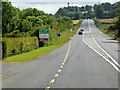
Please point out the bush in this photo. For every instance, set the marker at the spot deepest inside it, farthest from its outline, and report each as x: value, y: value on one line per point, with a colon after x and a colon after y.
x: 52, y: 37
x: 12, y: 46
x: 97, y: 23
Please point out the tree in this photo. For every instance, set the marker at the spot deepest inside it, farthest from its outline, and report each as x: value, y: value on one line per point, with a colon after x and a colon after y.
x: 26, y: 25
x: 8, y: 27
x: 88, y: 8
x: 99, y: 11
x: 107, y: 6
x: 118, y: 23
x: 90, y: 14
x: 82, y: 8
x: 8, y: 11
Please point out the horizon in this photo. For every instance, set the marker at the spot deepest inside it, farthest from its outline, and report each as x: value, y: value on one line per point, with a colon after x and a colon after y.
x: 52, y: 7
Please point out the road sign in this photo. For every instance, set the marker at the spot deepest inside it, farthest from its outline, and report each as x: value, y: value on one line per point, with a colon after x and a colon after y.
x: 43, y: 30
x: 57, y: 29
x: 43, y: 35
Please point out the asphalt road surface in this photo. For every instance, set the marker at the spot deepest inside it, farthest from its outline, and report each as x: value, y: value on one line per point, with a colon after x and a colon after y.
x: 86, y: 61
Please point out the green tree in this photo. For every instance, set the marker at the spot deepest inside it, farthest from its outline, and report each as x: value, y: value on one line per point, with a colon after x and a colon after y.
x: 8, y: 11
x: 8, y: 28
x: 107, y: 6
x: 99, y: 11
x: 26, y: 25
x: 118, y: 22
x: 88, y: 8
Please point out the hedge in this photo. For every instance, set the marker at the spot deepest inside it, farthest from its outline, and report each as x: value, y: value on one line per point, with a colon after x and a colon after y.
x: 12, y: 46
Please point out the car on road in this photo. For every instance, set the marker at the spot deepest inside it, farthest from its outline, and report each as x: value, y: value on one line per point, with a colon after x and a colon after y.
x: 81, y: 30
x: 80, y: 33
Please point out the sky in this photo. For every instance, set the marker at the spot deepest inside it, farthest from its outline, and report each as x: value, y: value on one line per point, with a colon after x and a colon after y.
x: 52, y: 6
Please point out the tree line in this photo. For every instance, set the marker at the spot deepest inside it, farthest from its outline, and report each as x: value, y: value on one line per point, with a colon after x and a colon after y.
x: 103, y: 10
x: 26, y: 22
x: 117, y: 23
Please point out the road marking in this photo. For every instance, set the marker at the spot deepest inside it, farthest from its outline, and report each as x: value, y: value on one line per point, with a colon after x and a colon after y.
x: 103, y: 49
x: 103, y: 57
x: 52, y: 81
x: 116, y: 67
x: 68, y: 51
x: 65, y: 58
x: 106, y: 53
x: 61, y: 66
x: 100, y: 32
x: 47, y: 88
x: 56, y: 75
x: 59, y: 70
x: 63, y: 63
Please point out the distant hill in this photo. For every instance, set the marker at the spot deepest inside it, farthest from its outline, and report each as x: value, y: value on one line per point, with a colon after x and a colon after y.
x: 103, y: 10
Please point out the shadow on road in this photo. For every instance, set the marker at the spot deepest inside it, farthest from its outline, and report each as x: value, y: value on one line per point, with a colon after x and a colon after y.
x: 117, y: 50
x: 111, y: 42
x: 111, y: 39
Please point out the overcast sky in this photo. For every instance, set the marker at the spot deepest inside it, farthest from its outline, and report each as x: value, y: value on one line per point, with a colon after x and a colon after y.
x: 51, y: 6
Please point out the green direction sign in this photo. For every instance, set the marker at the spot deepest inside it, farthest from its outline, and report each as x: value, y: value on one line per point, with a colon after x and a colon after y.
x: 43, y: 30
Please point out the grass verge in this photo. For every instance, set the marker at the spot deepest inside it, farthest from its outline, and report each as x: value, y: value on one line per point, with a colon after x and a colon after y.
x: 104, y: 25
x: 31, y: 55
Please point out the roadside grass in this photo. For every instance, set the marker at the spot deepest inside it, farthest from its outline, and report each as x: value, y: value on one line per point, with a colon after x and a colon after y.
x: 104, y: 25
x: 104, y: 28
x: 28, y: 56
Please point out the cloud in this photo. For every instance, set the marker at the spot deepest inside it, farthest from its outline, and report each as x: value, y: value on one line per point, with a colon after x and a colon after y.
x: 44, y: 6
x: 54, y: 0
x: 48, y: 8
x: 111, y: 1
x: 51, y: 6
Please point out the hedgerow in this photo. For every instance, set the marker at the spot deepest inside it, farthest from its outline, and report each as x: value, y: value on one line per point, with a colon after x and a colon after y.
x: 12, y: 46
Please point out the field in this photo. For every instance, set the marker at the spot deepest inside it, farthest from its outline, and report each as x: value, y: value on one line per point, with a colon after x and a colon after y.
x: 105, y: 20
x: 75, y: 21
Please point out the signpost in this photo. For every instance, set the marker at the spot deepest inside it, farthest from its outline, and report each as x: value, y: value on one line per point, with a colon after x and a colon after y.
x: 43, y: 34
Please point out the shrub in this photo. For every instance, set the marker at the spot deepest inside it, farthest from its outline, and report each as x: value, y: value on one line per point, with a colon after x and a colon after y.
x: 12, y: 46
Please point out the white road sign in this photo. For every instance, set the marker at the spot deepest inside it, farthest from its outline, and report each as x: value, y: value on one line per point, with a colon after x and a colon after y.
x: 43, y: 35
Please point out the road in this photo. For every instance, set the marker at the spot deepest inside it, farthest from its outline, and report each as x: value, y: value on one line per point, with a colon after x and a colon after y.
x: 86, y: 61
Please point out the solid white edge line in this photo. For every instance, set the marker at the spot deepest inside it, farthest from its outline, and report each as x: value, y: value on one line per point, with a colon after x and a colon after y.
x: 116, y: 68
x: 103, y: 57
x: 102, y: 48
x: 107, y: 54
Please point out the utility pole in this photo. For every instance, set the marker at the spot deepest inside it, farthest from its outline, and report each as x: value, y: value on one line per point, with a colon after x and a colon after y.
x: 68, y: 4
